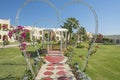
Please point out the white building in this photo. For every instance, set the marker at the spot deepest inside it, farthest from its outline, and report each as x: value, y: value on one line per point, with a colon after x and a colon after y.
x: 4, y: 29
x: 39, y: 33
x: 35, y: 32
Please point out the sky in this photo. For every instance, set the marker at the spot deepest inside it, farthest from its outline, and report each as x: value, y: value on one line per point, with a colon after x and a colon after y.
x: 52, y: 14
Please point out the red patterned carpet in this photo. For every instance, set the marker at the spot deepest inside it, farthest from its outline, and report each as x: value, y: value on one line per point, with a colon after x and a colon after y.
x: 54, y: 58
x: 55, y: 67
x: 48, y: 73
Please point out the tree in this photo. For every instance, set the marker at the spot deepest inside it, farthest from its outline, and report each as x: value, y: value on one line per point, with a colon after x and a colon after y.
x: 70, y: 24
x: 81, y: 33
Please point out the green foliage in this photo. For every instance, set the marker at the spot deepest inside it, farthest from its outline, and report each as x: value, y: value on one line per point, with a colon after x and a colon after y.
x: 70, y: 48
x: 6, y: 42
x: 82, y: 33
x: 68, y: 51
x: 108, y: 43
x: 71, y: 42
x: 46, y: 36
x: 70, y: 24
x: 28, y: 74
x: 28, y: 36
x: 38, y: 41
x: 79, y: 45
x: 59, y: 42
x: 56, y: 42
x: 106, y: 39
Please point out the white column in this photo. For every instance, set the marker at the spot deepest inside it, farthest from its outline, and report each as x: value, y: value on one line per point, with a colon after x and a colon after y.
x: 42, y: 38
x: 48, y: 39
x: 65, y: 38
x: 61, y: 41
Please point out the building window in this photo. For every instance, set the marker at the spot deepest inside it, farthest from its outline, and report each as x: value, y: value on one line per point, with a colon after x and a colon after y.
x: 5, y: 38
x: 5, y: 26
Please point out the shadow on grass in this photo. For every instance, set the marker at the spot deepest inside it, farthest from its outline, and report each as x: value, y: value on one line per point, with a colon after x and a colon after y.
x: 10, y: 77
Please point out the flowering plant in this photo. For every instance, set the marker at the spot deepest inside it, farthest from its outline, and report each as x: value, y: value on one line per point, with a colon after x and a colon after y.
x: 20, y: 34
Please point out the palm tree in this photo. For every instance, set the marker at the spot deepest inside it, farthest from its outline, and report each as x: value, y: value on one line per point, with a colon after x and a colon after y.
x: 81, y: 33
x: 70, y: 24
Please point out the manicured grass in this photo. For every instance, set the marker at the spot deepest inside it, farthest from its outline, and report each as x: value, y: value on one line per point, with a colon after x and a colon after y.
x: 12, y: 63
x: 1, y: 43
x: 103, y: 65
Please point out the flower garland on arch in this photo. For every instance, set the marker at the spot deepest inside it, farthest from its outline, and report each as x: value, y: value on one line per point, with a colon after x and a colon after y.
x: 20, y: 34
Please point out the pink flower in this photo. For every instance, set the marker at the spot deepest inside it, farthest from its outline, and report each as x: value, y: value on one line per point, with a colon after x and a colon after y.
x: 10, y: 34
x: 23, y: 35
x: 20, y: 28
x: 14, y: 30
x: 23, y: 46
x: 26, y: 30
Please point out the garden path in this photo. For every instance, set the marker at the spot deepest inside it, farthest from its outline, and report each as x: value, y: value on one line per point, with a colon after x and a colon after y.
x: 55, y: 68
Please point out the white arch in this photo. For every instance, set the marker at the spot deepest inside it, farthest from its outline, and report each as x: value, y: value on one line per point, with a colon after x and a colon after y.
x: 96, y: 25
x: 28, y: 1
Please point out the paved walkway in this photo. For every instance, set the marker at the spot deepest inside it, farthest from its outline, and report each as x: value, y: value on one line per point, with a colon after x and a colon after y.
x: 55, y: 68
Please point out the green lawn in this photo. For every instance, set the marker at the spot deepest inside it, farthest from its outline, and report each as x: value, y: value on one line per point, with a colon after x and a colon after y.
x: 12, y: 64
x: 104, y: 65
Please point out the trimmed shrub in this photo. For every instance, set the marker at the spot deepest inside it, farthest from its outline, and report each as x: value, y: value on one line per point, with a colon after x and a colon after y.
x: 79, y: 45
x: 38, y: 41
x: 6, y: 42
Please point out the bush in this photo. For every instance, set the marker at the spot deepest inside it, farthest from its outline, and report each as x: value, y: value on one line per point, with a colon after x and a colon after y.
x: 28, y: 36
x: 70, y: 48
x: 38, y: 41
x: 71, y: 42
x: 6, y: 42
x: 108, y: 43
x: 106, y: 39
x: 79, y: 45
